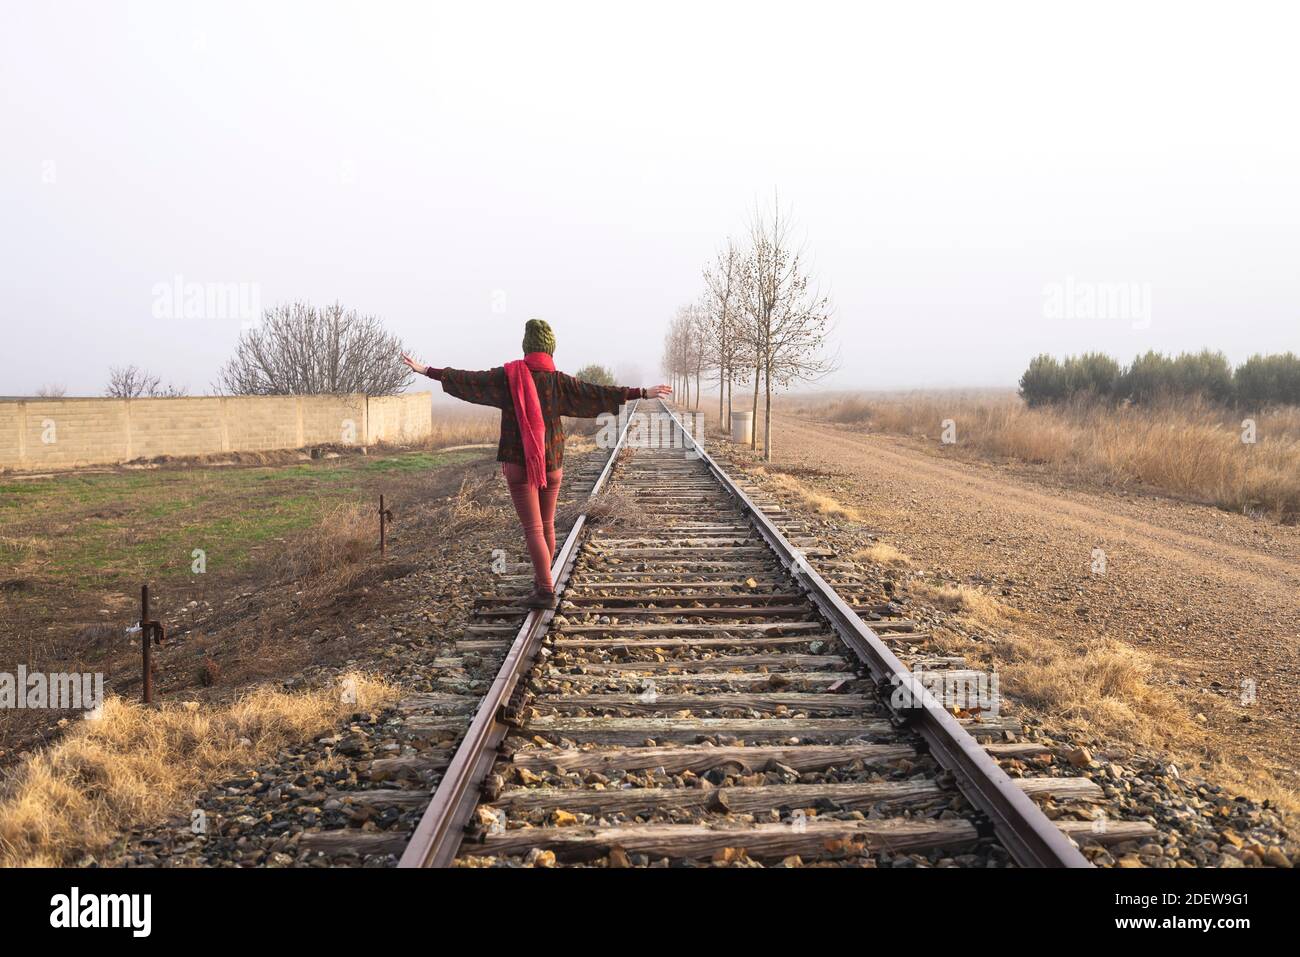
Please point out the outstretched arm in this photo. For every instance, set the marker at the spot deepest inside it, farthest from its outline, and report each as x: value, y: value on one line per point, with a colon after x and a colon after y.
x: 481, y: 388
x: 586, y: 399
x: 430, y: 371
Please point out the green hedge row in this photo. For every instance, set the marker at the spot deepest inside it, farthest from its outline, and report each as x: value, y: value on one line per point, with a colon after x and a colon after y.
x: 1259, y: 381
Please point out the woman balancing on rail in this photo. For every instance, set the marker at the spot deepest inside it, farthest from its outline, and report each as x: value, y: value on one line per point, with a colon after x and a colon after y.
x: 532, y: 396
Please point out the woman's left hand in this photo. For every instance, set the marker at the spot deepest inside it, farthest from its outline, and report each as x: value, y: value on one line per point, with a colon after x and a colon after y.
x: 659, y: 392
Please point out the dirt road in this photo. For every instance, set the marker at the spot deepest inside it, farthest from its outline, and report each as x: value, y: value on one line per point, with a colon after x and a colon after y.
x: 1213, y: 598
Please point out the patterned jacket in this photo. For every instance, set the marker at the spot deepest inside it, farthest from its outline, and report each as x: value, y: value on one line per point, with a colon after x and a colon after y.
x: 558, y: 394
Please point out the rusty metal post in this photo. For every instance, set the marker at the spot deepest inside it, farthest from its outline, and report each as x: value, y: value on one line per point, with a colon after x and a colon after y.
x: 385, y: 515
x: 145, y: 642
x: 150, y: 631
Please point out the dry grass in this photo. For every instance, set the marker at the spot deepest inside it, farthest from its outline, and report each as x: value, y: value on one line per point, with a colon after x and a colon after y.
x: 1257, y: 782
x: 136, y: 764
x: 19, y: 549
x: 1100, y: 684
x: 614, y: 506
x: 463, y: 424
x: 1192, y: 450
x: 1096, y: 685
x: 962, y: 600
x: 470, y: 509
x: 813, y: 500
x: 884, y: 554
x: 330, y: 557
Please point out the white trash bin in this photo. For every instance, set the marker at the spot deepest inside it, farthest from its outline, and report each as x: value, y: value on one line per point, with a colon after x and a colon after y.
x: 742, y: 427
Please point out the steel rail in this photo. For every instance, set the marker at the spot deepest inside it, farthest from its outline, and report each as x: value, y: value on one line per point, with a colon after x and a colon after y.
x: 438, y: 836
x: 1021, y: 827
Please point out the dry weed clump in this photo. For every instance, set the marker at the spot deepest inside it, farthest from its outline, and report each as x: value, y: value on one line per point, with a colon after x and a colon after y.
x: 16, y: 550
x: 333, y: 555
x: 614, y: 506
x: 881, y: 553
x: 815, y: 501
x: 468, y: 510
x: 1099, y: 685
x: 964, y: 600
x: 135, y: 764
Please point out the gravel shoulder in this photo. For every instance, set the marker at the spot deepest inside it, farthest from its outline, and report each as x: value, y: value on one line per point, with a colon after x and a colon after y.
x: 1211, y: 598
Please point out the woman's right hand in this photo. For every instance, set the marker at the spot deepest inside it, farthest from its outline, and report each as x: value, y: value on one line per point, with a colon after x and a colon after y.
x: 415, y: 366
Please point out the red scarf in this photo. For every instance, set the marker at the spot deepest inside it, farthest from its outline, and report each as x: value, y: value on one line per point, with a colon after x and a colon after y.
x: 528, y: 410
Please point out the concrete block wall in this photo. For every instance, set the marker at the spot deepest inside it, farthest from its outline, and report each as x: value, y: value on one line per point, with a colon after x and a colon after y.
x: 70, y: 433
x: 398, y: 420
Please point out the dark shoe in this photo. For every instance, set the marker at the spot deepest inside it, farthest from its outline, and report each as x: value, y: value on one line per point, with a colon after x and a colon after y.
x: 540, y: 599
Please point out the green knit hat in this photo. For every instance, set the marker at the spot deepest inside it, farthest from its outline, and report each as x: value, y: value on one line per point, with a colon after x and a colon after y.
x: 538, y: 337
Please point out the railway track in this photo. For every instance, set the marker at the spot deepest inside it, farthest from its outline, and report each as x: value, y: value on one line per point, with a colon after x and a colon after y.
x: 703, y: 693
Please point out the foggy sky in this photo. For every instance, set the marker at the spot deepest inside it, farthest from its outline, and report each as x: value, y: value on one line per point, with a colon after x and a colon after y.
x: 951, y: 167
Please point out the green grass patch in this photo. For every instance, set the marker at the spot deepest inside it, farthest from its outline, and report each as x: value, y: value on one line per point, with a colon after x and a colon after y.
x: 118, y: 525
x: 415, y: 461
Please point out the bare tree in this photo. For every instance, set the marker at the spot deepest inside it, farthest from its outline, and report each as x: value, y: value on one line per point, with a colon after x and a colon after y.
x: 132, y: 382
x: 750, y: 340
x: 722, y: 342
x: 697, y: 319
x: 673, y: 355
x: 686, y: 339
x: 51, y: 392
x: 787, y: 321
x: 668, y: 363
x: 677, y: 359
x: 302, y: 350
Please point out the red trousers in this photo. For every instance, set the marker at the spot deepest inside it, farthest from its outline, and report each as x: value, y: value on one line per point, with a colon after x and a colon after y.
x: 536, y: 510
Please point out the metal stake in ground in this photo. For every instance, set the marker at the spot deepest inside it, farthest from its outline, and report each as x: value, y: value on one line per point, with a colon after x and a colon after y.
x: 385, y: 515
x: 150, y: 631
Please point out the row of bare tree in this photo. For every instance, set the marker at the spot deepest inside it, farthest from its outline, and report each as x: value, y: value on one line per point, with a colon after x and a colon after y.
x: 759, y: 322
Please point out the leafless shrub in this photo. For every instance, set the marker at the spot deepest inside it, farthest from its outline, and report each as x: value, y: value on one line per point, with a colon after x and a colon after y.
x: 302, y: 350
x: 331, y: 556
x: 132, y: 382
x: 612, y: 507
x: 470, y: 509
